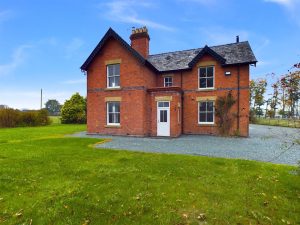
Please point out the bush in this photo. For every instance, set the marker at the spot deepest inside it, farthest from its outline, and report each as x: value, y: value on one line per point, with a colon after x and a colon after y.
x: 74, y: 110
x: 225, y: 118
x: 9, y: 117
x: 16, y: 118
x: 252, y: 116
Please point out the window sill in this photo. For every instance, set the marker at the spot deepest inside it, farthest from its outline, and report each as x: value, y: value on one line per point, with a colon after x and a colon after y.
x: 207, y: 125
x: 112, y: 126
x: 113, y: 89
x: 206, y: 89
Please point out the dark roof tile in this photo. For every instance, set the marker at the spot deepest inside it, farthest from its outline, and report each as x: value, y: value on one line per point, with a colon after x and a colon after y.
x: 235, y: 53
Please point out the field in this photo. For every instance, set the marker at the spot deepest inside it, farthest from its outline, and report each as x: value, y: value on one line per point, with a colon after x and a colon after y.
x: 48, y: 178
x: 278, y: 122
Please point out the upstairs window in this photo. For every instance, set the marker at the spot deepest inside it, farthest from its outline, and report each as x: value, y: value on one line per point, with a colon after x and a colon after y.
x: 113, y: 76
x: 168, y: 81
x: 206, y: 112
x: 206, y: 77
x: 113, y: 113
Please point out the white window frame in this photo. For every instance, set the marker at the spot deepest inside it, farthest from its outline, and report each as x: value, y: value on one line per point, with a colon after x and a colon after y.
x: 168, y: 77
x: 107, y: 76
x: 208, y: 123
x: 107, y: 113
x: 206, y: 88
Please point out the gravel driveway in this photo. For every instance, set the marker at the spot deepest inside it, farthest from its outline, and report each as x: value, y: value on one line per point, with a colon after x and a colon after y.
x: 266, y: 143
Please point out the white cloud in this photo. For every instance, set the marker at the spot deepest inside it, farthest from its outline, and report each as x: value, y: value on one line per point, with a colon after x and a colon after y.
x: 78, y: 81
x: 126, y: 11
x: 73, y: 47
x: 18, y: 57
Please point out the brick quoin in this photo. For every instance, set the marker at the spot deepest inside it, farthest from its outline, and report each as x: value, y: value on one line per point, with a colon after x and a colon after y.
x: 142, y: 84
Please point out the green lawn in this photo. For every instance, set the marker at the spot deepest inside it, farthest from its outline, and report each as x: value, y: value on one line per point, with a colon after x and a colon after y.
x: 46, y: 178
x: 278, y: 122
x: 55, y: 119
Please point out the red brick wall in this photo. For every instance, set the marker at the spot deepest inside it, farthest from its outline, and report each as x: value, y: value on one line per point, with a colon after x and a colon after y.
x: 133, y: 76
x: 190, y: 106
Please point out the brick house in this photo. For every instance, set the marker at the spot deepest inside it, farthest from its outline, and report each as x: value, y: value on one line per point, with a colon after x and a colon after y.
x: 130, y: 92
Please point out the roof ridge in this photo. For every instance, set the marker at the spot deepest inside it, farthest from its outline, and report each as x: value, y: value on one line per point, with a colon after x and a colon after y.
x: 162, y: 53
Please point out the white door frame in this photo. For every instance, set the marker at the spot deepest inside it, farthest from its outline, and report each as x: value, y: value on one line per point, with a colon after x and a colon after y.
x: 163, y: 127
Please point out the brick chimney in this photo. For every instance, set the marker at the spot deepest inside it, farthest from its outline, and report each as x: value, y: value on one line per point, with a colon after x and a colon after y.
x: 140, y: 41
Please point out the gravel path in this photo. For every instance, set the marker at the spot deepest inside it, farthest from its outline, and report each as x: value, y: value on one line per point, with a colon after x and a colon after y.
x: 266, y: 143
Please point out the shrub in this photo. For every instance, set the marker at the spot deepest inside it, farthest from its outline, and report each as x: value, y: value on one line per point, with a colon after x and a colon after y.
x: 9, y: 117
x: 16, y: 118
x: 74, y: 110
x: 225, y: 118
x: 252, y: 116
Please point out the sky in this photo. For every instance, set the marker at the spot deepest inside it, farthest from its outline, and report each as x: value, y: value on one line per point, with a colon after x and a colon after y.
x: 44, y: 43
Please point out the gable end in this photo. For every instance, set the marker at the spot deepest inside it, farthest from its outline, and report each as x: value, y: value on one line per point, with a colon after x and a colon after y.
x: 111, y: 34
x: 207, y: 50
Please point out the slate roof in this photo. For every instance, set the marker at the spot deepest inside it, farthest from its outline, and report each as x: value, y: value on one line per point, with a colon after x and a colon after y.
x: 235, y: 53
x: 229, y: 54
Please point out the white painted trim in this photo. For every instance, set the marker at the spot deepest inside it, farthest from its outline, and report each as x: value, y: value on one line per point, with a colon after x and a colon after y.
x: 168, y: 117
x: 206, y: 123
x: 165, y: 80
x: 107, y: 82
x: 214, y: 78
x: 107, y: 117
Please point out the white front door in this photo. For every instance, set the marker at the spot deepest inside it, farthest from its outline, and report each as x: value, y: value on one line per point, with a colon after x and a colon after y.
x: 163, y: 118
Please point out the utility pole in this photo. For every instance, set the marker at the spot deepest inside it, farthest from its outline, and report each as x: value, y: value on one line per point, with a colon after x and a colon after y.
x: 41, y: 98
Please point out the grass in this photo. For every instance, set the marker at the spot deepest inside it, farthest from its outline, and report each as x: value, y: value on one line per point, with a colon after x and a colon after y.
x: 47, y: 178
x: 55, y: 119
x: 278, y: 122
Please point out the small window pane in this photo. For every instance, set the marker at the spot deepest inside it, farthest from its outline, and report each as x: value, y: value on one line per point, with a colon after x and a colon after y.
x: 210, y: 117
x: 117, y: 107
x: 202, y: 72
x: 210, y: 82
x: 117, y: 69
x: 165, y: 116
x: 210, y: 106
x: 110, y: 118
x: 210, y: 71
x: 202, y: 106
x: 110, y: 70
x: 161, y: 116
x: 202, y: 82
x: 202, y: 117
x: 163, y: 104
x: 117, y: 81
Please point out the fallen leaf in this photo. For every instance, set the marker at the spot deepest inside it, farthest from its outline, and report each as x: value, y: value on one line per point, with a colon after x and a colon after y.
x: 201, y: 216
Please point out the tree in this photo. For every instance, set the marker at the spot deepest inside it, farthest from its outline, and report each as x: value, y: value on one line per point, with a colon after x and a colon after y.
x: 53, y: 107
x: 257, y: 91
x: 74, y: 110
x: 274, y: 101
